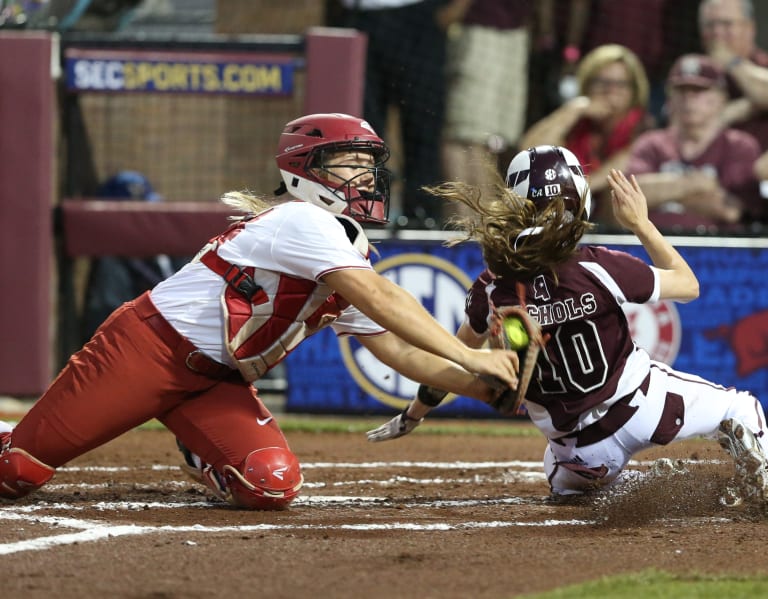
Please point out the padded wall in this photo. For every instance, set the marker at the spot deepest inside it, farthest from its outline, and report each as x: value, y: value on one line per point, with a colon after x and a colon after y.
x: 27, y: 124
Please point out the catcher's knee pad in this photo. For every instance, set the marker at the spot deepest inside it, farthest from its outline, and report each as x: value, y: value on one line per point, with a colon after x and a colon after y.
x: 20, y: 473
x: 267, y: 479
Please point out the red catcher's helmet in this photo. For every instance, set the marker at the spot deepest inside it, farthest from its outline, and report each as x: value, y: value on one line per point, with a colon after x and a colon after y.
x: 268, y: 479
x: 543, y: 173
x: 307, y: 142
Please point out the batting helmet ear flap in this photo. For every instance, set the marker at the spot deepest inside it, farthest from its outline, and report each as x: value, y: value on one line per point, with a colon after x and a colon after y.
x: 267, y: 479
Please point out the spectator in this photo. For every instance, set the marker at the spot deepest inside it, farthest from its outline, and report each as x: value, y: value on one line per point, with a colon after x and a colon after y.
x: 551, y: 79
x: 635, y: 24
x: 112, y: 279
x: 727, y: 29
x: 405, y: 69
x: 696, y: 174
x: 599, y: 124
x: 657, y: 31
x: 488, y: 47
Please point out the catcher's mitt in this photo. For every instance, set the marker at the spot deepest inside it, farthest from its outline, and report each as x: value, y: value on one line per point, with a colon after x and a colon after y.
x: 508, y: 401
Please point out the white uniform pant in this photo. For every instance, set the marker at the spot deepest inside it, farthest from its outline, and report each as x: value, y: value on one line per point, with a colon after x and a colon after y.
x: 573, y: 470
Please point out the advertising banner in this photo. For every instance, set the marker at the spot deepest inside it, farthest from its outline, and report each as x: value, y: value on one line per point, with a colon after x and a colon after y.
x: 121, y: 71
x: 722, y: 336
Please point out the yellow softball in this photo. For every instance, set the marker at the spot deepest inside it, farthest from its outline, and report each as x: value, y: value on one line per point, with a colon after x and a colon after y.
x: 517, y: 336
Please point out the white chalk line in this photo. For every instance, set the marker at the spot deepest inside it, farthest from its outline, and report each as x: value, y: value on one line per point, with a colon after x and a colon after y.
x: 524, y: 465
x: 387, y: 482
x: 90, y: 530
x: 100, y: 531
x: 23, y: 512
x: 334, y: 465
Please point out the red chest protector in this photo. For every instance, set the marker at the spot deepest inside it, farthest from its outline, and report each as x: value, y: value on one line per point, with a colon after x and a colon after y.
x: 267, y: 313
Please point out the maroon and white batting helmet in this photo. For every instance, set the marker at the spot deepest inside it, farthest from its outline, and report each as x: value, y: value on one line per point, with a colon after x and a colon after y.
x: 304, y: 145
x: 268, y: 479
x: 543, y: 173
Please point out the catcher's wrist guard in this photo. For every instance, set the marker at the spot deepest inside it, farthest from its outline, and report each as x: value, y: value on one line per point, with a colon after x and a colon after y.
x: 430, y: 396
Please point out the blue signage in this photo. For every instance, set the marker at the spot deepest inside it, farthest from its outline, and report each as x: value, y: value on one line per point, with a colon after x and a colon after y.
x: 440, y: 287
x: 111, y: 71
x: 722, y: 336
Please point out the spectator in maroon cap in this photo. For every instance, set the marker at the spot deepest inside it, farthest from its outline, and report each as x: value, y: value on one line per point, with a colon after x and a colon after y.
x: 696, y: 173
x: 728, y: 31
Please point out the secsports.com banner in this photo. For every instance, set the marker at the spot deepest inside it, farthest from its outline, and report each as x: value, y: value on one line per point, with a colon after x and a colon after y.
x: 722, y: 336
x: 158, y: 71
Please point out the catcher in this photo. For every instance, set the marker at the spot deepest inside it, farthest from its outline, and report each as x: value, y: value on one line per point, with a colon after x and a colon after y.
x: 188, y: 351
x: 596, y: 396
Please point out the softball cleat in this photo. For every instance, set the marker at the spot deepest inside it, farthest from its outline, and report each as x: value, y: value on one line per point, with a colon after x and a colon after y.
x: 751, y: 464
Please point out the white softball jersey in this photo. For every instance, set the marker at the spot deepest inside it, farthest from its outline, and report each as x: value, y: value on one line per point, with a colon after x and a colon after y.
x: 287, y: 248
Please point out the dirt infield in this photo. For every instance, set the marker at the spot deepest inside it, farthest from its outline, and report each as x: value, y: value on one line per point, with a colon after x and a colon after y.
x: 425, y: 516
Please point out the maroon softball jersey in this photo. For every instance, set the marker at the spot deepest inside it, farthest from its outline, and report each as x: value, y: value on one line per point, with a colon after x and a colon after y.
x: 590, y: 357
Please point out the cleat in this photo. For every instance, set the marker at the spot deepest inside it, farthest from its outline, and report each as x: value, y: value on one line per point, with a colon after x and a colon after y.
x: 751, y: 464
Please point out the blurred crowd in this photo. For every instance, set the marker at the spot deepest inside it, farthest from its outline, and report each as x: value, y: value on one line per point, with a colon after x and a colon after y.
x: 674, y: 92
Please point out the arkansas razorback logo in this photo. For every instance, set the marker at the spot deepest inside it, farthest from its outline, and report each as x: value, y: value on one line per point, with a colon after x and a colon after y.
x: 748, y: 339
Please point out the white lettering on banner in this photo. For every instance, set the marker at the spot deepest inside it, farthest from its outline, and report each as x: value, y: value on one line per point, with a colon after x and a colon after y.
x: 111, y: 75
x: 98, y: 74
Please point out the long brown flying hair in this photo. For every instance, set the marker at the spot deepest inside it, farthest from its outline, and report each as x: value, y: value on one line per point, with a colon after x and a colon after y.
x: 516, y: 240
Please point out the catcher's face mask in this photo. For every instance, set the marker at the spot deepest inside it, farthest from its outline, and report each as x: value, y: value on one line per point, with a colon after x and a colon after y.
x: 319, y: 160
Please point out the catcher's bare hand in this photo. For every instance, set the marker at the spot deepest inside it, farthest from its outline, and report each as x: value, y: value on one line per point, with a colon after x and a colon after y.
x: 400, y: 425
x: 501, y: 363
